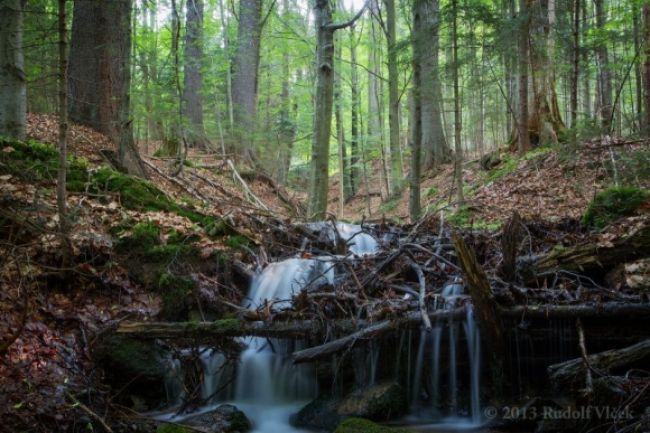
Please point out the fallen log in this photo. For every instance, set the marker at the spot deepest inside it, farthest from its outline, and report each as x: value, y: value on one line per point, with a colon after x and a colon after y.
x: 585, y: 258
x: 304, y: 328
x: 604, y: 362
x: 330, y: 348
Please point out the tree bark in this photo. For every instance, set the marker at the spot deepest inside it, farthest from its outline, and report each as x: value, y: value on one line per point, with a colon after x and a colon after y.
x: 99, y: 77
x: 522, y: 125
x: 576, y: 66
x: 435, y: 150
x: 344, y: 178
x: 193, y: 76
x: 13, y: 89
x: 646, y: 66
x: 354, y: 172
x: 418, y: 41
x: 245, y: 76
x: 62, y: 136
x: 396, y: 174
x: 458, y: 146
x: 605, y: 106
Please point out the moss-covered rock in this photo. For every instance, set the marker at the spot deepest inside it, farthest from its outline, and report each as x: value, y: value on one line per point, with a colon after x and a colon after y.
x: 361, y: 425
x: 614, y: 203
x: 136, y: 368
x: 173, y: 428
x: 380, y: 402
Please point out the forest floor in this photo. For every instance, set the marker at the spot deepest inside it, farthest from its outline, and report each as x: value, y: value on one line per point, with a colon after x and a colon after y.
x: 50, y: 320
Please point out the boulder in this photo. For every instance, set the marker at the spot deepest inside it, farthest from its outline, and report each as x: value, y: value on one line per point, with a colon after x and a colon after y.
x: 224, y: 419
x: 377, y: 403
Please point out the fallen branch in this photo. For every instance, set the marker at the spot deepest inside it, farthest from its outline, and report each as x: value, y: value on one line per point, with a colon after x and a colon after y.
x: 422, y: 294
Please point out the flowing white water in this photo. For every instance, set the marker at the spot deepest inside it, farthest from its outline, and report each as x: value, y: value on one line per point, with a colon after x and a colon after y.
x: 449, y: 295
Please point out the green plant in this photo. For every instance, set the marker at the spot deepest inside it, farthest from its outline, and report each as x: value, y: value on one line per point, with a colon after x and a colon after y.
x: 362, y: 425
x: 614, y: 203
x: 389, y: 206
x: 508, y: 165
x: 432, y: 191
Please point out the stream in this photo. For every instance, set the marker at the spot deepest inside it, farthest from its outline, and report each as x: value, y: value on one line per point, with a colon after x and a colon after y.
x: 269, y: 388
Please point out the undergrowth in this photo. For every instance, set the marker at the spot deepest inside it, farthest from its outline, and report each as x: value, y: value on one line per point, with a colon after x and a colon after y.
x: 614, y: 203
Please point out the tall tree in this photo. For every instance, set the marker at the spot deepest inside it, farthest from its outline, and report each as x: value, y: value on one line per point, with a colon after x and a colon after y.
x: 396, y: 174
x: 522, y: 124
x: 434, y: 145
x: 575, y: 57
x: 193, y: 75
x: 13, y: 90
x: 287, y: 123
x: 354, y: 172
x: 320, y: 149
x: 246, y: 64
x: 99, y: 76
x: 605, y: 106
x: 418, y: 42
x: 458, y: 146
x: 646, y: 67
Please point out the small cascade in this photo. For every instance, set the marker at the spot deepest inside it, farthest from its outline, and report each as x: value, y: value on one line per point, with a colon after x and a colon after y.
x: 428, y: 396
x: 359, y: 242
x: 215, y: 369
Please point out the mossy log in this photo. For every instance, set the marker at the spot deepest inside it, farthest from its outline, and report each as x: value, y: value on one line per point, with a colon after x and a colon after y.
x: 591, y: 257
x: 605, y: 362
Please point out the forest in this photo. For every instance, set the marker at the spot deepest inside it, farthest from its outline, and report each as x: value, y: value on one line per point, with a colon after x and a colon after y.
x: 347, y: 216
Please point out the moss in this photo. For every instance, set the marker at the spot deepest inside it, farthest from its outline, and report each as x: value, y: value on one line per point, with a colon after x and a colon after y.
x: 168, y: 252
x: 389, y: 206
x: 431, y: 192
x: 464, y: 217
x: 614, y: 203
x: 174, y: 291
x: 538, y: 152
x: 508, y: 165
x: 361, y: 425
x: 172, y: 428
x: 237, y: 241
x: 143, y: 237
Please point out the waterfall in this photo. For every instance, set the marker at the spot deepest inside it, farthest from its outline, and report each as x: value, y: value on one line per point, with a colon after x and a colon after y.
x: 448, y: 396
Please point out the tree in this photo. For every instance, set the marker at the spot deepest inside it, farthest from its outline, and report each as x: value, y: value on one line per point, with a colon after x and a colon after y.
x: 99, y: 76
x: 193, y: 76
x: 646, y: 19
x: 323, y: 101
x: 246, y: 64
x: 396, y: 174
x: 418, y: 42
x: 605, y: 106
x: 62, y: 136
x: 434, y: 145
x: 13, y: 89
x: 458, y: 146
x: 522, y: 124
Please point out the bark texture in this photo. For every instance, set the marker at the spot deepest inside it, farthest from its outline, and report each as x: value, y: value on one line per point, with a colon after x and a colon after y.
x: 99, y: 77
x: 13, y: 90
x: 193, y: 77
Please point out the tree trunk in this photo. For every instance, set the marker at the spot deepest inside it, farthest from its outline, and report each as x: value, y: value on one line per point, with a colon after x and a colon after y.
x: 13, y: 90
x: 434, y: 146
x: 586, y: 84
x: 354, y: 172
x: 458, y: 146
x: 576, y: 66
x: 244, y: 85
x: 522, y: 124
x: 344, y: 178
x: 396, y: 174
x: 99, y: 76
x: 604, y: 72
x: 418, y: 41
x: 287, y: 127
x: 646, y: 66
x: 66, y: 249
x: 193, y: 76
x: 318, y: 181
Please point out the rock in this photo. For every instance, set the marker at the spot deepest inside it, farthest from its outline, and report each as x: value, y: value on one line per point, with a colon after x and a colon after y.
x: 137, y: 368
x: 224, y: 419
x: 377, y: 403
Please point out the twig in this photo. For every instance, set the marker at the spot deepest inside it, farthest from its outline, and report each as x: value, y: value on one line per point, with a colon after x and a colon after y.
x: 88, y: 411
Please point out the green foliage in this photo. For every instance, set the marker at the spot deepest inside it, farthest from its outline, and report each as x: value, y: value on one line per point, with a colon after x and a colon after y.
x: 361, y: 425
x: 174, y: 291
x: 144, y: 236
x: 389, y: 205
x: 614, y: 203
x: 236, y: 241
x: 464, y: 217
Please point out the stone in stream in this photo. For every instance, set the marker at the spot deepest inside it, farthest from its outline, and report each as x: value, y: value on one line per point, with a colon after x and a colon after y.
x: 226, y: 418
x: 377, y: 403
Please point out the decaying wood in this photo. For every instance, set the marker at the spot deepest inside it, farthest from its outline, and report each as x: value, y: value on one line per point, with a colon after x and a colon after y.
x: 510, y: 241
x: 422, y: 293
x: 486, y: 308
x: 332, y: 347
x: 589, y: 385
x: 591, y: 256
x: 605, y: 362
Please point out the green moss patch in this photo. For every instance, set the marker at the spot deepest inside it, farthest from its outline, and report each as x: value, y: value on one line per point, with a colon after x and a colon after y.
x: 172, y: 428
x: 614, y: 203
x: 361, y: 425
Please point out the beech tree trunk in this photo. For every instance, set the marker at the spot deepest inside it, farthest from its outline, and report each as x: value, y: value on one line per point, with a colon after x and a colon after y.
x: 458, y: 119
x: 418, y: 41
x: 244, y: 85
x: 13, y: 90
x: 646, y: 66
x: 354, y: 171
x: 193, y: 77
x: 605, y: 106
x: 576, y: 65
x: 396, y: 173
x: 522, y: 124
x: 434, y: 145
x: 99, y: 76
